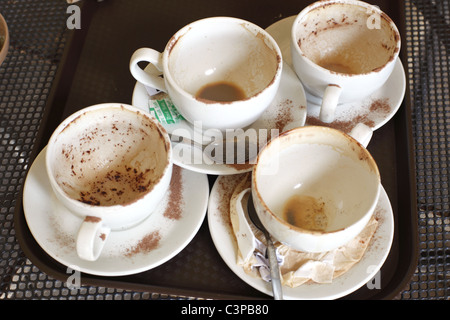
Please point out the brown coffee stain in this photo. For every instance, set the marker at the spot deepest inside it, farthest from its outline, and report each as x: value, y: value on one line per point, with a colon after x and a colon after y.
x: 282, y: 119
x: 174, y: 209
x: 348, y: 69
x: 378, y: 107
x: 305, y: 212
x: 227, y: 185
x: 92, y: 219
x: 121, y: 182
x: 284, y: 115
x: 120, y: 185
x: 240, y: 166
x: 146, y: 244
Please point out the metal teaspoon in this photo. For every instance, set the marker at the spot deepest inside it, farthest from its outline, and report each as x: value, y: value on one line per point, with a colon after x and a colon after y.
x: 273, y: 263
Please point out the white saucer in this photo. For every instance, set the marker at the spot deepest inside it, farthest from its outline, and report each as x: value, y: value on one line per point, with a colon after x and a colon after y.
x: 353, y: 279
x: 289, y: 103
x: 389, y: 96
x: 166, y: 233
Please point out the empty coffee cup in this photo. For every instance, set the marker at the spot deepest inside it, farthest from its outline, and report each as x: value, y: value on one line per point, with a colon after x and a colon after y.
x: 222, y: 72
x: 111, y: 165
x: 343, y: 51
x: 315, y: 188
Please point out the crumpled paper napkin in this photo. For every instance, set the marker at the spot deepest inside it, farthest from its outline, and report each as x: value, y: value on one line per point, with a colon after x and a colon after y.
x: 297, y: 267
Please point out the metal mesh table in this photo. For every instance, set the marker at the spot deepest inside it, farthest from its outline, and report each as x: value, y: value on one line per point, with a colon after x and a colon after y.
x: 38, y: 36
x: 428, y: 39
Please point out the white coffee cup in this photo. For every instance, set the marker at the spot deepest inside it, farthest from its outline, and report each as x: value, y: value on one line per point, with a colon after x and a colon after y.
x: 343, y: 51
x: 110, y: 164
x: 223, y: 53
x: 315, y: 188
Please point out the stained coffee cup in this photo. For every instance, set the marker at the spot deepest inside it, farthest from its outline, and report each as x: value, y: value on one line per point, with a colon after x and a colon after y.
x: 222, y: 72
x: 315, y: 188
x: 111, y: 165
x: 343, y: 51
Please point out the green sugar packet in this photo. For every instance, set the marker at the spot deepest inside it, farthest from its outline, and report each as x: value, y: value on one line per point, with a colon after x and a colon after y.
x: 162, y: 108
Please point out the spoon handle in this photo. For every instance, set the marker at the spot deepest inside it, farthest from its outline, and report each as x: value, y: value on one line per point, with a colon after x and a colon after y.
x: 274, y: 270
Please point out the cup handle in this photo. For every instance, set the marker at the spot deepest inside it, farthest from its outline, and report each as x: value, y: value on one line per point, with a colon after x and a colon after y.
x: 91, y: 238
x: 329, y: 102
x: 362, y: 133
x: 152, y: 56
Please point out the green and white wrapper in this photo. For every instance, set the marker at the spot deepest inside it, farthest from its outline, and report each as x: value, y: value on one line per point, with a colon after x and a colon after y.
x: 162, y: 108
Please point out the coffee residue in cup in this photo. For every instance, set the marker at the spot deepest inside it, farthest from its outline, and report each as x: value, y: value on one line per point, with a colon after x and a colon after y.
x: 114, y: 159
x: 221, y: 91
x: 344, y: 39
x: 120, y: 185
x: 305, y: 212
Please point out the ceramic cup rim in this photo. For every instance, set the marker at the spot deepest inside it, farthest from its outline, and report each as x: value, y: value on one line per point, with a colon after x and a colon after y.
x: 358, y: 3
x: 284, y: 135
x: 174, y: 40
x: 99, y: 210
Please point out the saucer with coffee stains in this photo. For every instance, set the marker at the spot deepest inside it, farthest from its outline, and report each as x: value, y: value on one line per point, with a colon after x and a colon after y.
x: 161, y: 236
x: 374, y: 111
x: 357, y: 276
x: 287, y: 111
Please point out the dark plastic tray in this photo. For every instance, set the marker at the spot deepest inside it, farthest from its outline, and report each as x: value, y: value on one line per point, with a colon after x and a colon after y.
x: 94, y: 70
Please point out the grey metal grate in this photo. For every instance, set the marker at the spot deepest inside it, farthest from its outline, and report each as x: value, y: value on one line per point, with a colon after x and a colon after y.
x: 25, y: 80
x: 38, y: 35
x: 428, y: 45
